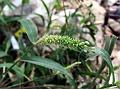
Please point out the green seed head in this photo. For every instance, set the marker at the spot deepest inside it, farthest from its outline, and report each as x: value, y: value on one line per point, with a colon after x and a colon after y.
x: 64, y: 41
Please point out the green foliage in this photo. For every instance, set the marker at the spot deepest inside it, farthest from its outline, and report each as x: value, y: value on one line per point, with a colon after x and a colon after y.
x: 17, y: 70
x: 8, y: 3
x: 118, y: 84
x: 30, y: 29
x: 2, y: 54
x: 51, y: 65
x: 25, y: 2
x: 61, y: 56
x: 104, y: 54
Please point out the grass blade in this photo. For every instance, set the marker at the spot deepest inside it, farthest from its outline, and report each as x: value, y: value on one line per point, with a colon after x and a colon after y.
x: 2, y: 54
x: 17, y: 70
x: 106, y: 57
x: 30, y: 29
x: 47, y: 9
x: 47, y: 63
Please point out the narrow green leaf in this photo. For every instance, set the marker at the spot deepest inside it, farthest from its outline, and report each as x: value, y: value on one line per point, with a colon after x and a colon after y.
x: 9, y: 3
x: 48, y: 64
x: 15, y: 68
x: 30, y: 29
x: 104, y: 54
x: 46, y: 7
x: 2, y: 54
x: 42, y: 18
x: 51, y: 65
x: 25, y: 2
x: 2, y: 20
x: 10, y: 19
x: 112, y: 43
x: 106, y: 57
x: 109, y: 45
x: 90, y: 5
